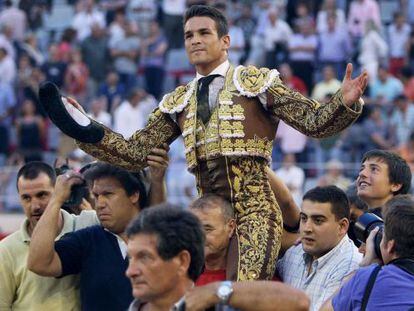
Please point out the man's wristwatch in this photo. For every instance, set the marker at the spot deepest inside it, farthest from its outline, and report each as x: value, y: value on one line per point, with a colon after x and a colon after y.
x: 224, y: 292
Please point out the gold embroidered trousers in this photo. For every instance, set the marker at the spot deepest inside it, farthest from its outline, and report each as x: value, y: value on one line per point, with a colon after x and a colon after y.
x: 243, y: 182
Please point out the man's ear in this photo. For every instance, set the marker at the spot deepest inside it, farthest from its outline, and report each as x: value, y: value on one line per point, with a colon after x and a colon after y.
x: 343, y: 226
x: 232, y: 226
x: 390, y: 246
x: 183, y: 260
x: 134, y: 197
x: 226, y: 42
x: 395, y: 187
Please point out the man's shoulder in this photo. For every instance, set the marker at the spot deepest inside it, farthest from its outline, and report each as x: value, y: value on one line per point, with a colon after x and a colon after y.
x: 345, y: 259
x: 177, y: 100
x: 85, y: 233
x: 293, y: 254
x: 291, y: 263
x: 11, y: 242
x: 123, y: 108
x: 251, y: 81
x: 84, y: 220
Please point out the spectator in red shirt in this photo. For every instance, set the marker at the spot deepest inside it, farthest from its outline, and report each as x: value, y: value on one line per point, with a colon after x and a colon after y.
x: 217, y: 217
x: 2, y: 235
x: 292, y: 81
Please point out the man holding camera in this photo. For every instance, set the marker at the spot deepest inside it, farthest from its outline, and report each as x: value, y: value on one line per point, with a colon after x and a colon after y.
x: 20, y: 288
x: 97, y: 253
x: 388, y: 285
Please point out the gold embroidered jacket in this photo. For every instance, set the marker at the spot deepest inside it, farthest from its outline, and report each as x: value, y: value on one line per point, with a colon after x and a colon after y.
x: 239, y: 125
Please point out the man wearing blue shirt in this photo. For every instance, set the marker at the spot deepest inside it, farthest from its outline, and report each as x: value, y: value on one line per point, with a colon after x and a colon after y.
x: 394, y: 284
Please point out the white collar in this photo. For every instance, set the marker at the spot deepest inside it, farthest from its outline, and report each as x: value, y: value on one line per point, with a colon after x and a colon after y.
x: 121, y: 243
x: 219, y: 70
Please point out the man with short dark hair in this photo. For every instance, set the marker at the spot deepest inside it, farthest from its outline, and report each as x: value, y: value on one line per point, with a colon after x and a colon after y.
x: 382, y: 176
x: 392, y: 279
x: 21, y: 289
x: 165, y: 249
x: 228, y: 117
x: 97, y: 253
x: 326, y: 255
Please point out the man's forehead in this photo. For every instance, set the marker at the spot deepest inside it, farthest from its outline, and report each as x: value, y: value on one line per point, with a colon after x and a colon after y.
x: 211, y: 211
x: 375, y: 161
x: 197, y: 23
x: 41, y: 182
x: 143, y: 241
x: 312, y: 208
x: 106, y: 183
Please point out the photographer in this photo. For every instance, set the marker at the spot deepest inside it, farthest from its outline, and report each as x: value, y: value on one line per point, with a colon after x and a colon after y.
x: 97, y: 253
x: 386, y: 284
x: 19, y: 288
x: 47, y: 211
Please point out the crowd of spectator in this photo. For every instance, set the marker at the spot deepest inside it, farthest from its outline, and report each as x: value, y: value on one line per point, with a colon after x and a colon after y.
x: 118, y: 58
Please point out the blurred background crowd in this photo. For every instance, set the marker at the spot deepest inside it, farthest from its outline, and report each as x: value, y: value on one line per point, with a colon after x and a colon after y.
x: 118, y: 58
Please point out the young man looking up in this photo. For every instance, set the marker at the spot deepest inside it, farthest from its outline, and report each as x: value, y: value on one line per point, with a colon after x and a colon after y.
x: 382, y: 176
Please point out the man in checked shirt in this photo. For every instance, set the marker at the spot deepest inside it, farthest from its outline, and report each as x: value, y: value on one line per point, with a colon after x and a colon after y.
x: 326, y: 254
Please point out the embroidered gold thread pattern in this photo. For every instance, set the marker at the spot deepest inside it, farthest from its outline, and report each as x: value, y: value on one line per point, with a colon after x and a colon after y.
x: 258, y: 219
x: 308, y: 116
x: 132, y: 154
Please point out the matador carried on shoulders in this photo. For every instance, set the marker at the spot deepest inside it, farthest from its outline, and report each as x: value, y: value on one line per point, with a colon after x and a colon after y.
x: 228, y: 118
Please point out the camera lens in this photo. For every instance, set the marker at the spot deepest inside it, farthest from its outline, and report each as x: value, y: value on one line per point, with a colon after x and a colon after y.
x: 363, y: 227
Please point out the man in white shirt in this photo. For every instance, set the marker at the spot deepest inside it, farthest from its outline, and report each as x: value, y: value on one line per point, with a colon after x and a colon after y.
x: 7, y: 67
x: 277, y: 34
x: 132, y: 114
x: 14, y: 18
x: 172, y: 22
x: 302, y: 52
x: 293, y: 176
x: 398, y: 38
x: 86, y: 18
x: 326, y: 255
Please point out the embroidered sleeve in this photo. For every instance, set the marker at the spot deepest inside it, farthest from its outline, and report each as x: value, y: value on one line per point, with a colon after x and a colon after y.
x: 308, y: 116
x: 131, y: 154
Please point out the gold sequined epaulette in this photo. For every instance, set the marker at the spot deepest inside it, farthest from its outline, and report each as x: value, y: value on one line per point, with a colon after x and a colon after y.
x: 177, y: 100
x: 251, y: 81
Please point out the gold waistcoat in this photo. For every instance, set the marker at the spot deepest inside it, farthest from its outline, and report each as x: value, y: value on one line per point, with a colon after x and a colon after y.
x: 238, y: 125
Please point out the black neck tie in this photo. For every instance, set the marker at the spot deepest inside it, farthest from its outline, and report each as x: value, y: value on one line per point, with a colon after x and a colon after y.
x: 203, y: 108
